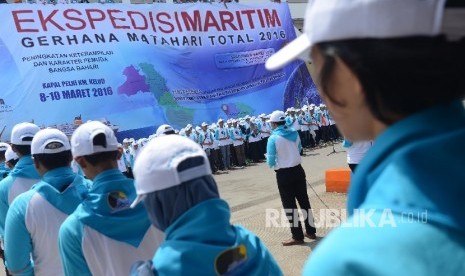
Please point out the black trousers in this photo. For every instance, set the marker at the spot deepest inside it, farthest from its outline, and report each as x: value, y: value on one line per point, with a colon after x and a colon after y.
x: 128, y: 173
x: 318, y: 136
x: 352, y: 167
x: 292, y: 186
x: 325, y: 133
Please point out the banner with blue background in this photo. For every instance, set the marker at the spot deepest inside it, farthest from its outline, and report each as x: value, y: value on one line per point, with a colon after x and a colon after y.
x: 138, y: 66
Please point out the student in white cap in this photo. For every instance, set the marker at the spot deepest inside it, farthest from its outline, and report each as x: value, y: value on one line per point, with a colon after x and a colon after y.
x: 35, y: 216
x: 238, y: 141
x: 265, y: 131
x: 127, y: 157
x: 186, y: 205
x: 164, y: 130
x: 283, y: 156
x: 121, y: 162
x: 104, y: 236
x: 4, y: 170
x: 11, y: 158
x: 215, y: 150
x: 24, y: 175
x: 135, y: 150
x: 222, y: 135
x: 206, y: 139
x: 393, y: 71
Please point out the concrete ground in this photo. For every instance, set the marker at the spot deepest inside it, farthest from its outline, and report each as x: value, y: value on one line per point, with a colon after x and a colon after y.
x: 253, y: 190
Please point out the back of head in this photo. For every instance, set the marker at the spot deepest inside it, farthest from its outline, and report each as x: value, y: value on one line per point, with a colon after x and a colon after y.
x: 164, y: 130
x: 10, y: 155
x: 172, y: 175
x: 51, y: 148
x: 411, y: 57
x: 3, y: 148
x: 96, y: 142
x: 21, y: 137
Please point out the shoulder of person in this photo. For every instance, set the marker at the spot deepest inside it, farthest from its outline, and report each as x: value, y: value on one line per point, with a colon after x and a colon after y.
x: 353, y: 250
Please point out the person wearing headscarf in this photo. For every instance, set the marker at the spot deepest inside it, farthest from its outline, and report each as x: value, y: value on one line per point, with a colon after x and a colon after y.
x: 186, y: 206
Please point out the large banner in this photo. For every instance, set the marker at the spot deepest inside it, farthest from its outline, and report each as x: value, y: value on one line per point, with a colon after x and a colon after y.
x: 138, y: 66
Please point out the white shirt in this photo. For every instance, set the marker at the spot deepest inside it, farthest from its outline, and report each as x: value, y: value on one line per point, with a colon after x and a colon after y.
x: 121, y: 165
x: 287, y: 153
x: 357, y: 151
x: 237, y: 136
x: 223, y: 133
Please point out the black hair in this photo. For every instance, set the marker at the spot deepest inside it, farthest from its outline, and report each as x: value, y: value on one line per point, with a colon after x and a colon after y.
x: 54, y: 160
x: 101, y: 157
x: 280, y: 123
x: 12, y: 162
x: 24, y: 149
x: 400, y: 76
x: 2, y: 155
x: 170, y: 132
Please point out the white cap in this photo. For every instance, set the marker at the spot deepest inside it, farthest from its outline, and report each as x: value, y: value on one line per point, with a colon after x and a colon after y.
x: 204, y: 124
x: 163, y: 129
x: 220, y: 120
x: 10, y: 154
x: 156, y: 167
x: 4, y: 146
x: 125, y: 140
x: 197, y: 128
x: 21, y: 131
x: 82, y: 139
x: 277, y: 116
x: 332, y: 20
x: 49, y: 141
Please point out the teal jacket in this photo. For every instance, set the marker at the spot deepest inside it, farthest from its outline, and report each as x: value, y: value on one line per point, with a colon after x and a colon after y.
x: 203, y: 242
x: 4, y: 170
x: 23, y: 173
x: 63, y: 190
x: 405, y: 203
x: 106, y: 210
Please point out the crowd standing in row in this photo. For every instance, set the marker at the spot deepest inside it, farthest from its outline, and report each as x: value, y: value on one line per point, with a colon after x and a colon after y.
x: 73, y: 199
x: 236, y: 143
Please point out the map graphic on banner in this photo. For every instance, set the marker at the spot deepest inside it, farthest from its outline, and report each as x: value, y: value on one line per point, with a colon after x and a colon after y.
x: 136, y: 67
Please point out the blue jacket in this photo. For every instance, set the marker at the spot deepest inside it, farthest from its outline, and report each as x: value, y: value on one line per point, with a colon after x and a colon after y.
x: 405, y: 203
x: 105, y: 210
x: 197, y: 243
x: 24, y: 175
x: 4, y: 170
x: 28, y: 220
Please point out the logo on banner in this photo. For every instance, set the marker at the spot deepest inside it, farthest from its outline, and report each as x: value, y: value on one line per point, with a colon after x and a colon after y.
x: 4, y: 107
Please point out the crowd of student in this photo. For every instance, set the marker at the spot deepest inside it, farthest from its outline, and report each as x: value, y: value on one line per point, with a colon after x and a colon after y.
x: 56, y: 220
x: 236, y: 143
x: 72, y: 198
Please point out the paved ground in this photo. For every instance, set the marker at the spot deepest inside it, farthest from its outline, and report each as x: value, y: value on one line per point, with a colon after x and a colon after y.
x: 252, y: 190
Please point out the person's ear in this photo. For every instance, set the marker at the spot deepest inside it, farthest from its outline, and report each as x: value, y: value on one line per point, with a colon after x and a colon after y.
x: 13, y: 147
x: 81, y: 161
x: 36, y: 163
x: 120, y: 153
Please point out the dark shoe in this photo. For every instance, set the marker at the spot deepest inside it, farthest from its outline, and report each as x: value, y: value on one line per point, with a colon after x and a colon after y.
x: 310, y: 236
x: 292, y: 242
